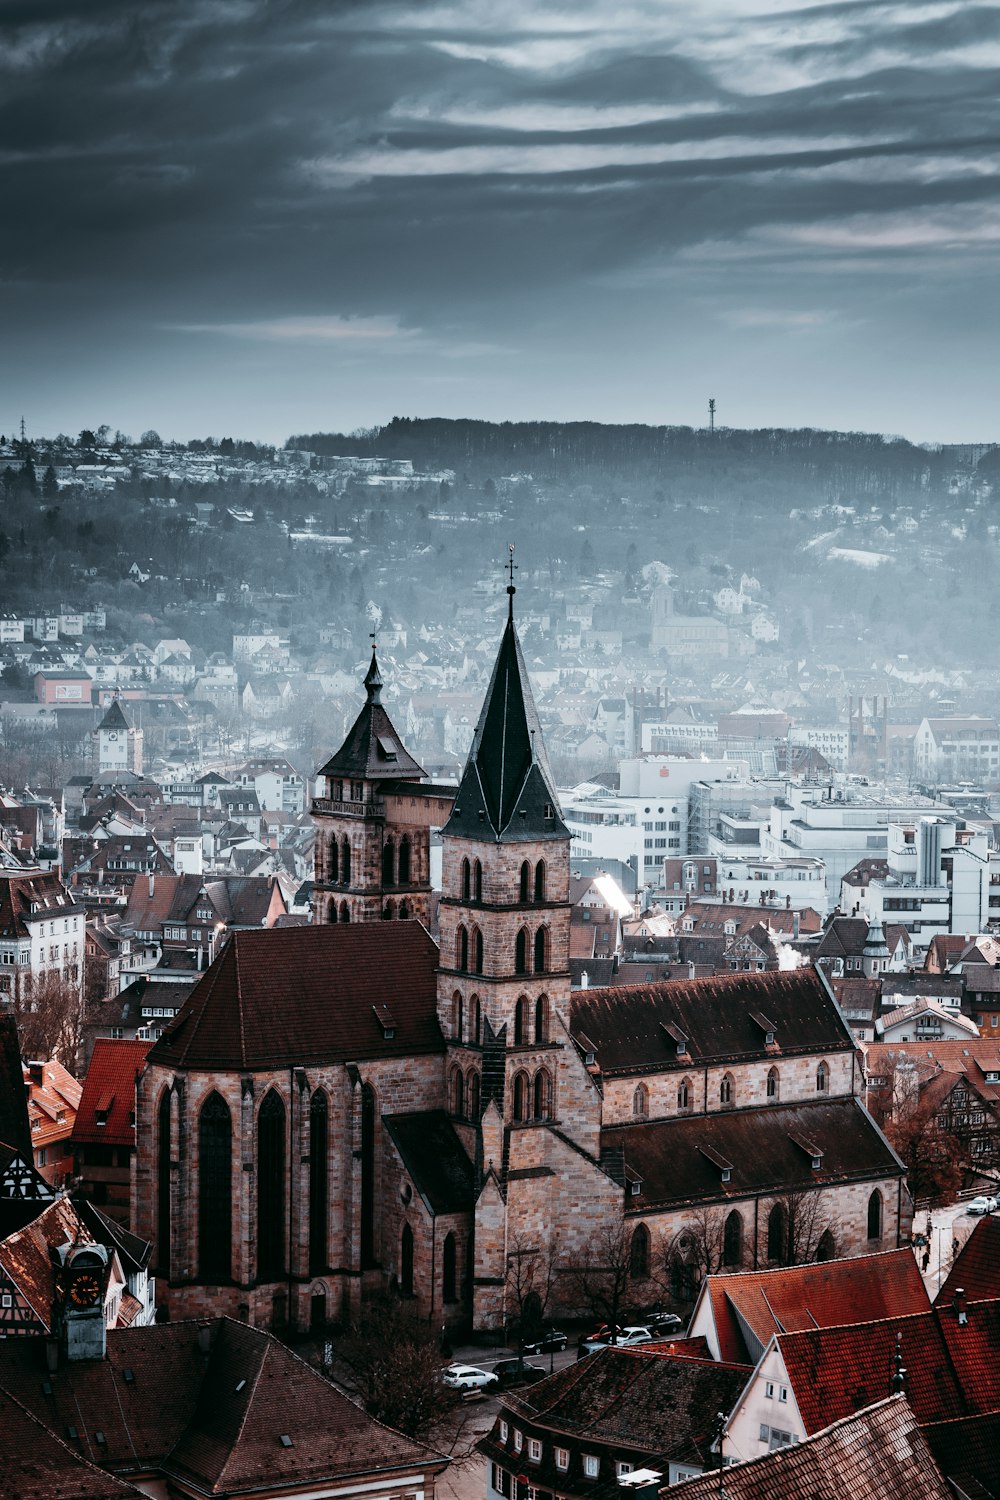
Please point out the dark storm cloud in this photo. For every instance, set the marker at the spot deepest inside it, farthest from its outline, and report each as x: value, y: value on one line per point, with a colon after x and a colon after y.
x: 423, y: 181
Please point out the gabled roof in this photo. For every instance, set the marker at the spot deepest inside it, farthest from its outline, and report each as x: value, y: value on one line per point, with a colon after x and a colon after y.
x: 114, y: 718
x: 823, y: 1294
x: 507, y: 785
x: 766, y: 1147
x: 662, y: 1404
x: 373, y: 751
x: 39, y: 1465
x: 106, y: 1112
x: 976, y: 1268
x: 630, y: 1025
x: 877, y: 1454
x: 306, y: 994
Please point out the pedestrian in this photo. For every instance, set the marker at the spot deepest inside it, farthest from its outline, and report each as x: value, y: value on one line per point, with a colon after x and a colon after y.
x: 954, y: 1248
x: 926, y: 1259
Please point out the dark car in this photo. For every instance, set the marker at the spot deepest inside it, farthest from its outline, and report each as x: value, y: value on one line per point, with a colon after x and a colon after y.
x: 510, y: 1372
x: 551, y: 1341
x: 664, y: 1323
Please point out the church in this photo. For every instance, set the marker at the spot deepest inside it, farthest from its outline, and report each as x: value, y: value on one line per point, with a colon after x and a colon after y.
x: 350, y: 1107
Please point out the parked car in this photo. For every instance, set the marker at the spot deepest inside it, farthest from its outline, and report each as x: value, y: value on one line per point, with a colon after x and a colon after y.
x: 510, y: 1372
x: 661, y: 1323
x: 469, y: 1378
x: 626, y: 1338
x: 984, y: 1204
x: 551, y: 1341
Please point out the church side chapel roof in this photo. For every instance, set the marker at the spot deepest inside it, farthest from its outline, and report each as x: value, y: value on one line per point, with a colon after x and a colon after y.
x: 507, y: 783
x: 678, y: 1024
x: 213, y: 1421
x: 766, y: 1150
x: 373, y: 751
x: 435, y: 1158
x: 307, y: 995
x: 106, y: 1112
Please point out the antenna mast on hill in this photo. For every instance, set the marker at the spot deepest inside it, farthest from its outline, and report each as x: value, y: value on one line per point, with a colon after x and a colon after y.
x: 711, y: 414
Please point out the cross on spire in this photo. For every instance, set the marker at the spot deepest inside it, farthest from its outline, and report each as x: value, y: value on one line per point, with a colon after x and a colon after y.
x: 511, y: 591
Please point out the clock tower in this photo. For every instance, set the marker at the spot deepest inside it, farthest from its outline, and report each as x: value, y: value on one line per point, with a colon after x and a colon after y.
x: 82, y: 1281
x: 117, y: 742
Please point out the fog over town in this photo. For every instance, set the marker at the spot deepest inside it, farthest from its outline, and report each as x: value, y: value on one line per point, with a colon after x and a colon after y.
x: 499, y: 751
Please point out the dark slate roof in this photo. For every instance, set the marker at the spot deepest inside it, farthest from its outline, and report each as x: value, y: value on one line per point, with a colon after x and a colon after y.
x: 301, y: 995
x: 432, y: 1154
x: 39, y: 1465
x: 115, y: 717
x: 15, y: 1128
x: 976, y: 1269
x: 638, y: 1400
x: 635, y: 1029
x: 763, y: 1146
x: 968, y: 1453
x: 507, y: 784
x: 373, y: 751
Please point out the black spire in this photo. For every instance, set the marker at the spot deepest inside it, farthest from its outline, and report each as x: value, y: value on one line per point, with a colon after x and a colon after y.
x: 373, y: 750
x: 507, y: 784
x: 373, y: 679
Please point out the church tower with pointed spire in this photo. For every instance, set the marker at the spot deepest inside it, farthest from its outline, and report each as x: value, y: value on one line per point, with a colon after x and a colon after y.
x: 372, y: 853
x: 504, y: 981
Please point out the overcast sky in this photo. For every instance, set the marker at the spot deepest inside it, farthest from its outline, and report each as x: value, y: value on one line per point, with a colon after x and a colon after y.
x: 247, y: 218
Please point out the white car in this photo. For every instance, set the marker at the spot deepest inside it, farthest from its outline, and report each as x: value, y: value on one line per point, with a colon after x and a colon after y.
x: 468, y: 1378
x: 627, y: 1339
x: 981, y: 1205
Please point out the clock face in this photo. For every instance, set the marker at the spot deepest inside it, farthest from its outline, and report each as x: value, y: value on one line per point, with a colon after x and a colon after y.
x: 112, y: 734
x: 85, y: 1291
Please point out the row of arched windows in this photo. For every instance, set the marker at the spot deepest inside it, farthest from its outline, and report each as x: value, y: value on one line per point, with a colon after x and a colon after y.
x: 338, y: 861
x: 727, y: 1091
x: 466, y: 1018
x: 532, y: 885
x: 391, y: 911
x: 532, y: 1096
x: 464, y: 1090
x: 449, y: 1265
x: 472, y: 880
x: 396, y: 862
x: 468, y: 950
x: 341, y: 913
x: 531, y: 1022
x: 538, y: 949
x: 215, y: 1186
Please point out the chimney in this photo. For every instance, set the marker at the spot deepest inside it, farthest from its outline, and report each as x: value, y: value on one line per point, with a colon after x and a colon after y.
x: 36, y: 1072
x: 959, y: 1304
x: 152, y: 885
x: 584, y: 980
x: 795, y: 926
x: 205, y: 1338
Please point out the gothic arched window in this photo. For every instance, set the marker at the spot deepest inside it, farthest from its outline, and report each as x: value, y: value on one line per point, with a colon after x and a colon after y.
x: 540, y: 880
x: 449, y: 1279
x: 458, y: 1093
x: 525, y: 882
x: 271, y: 1188
x: 773, y: 1084
x: 388, y: 911
x: 726, y: 1089
x: 640, y: 1101
x: 521, y: 952
x: 875, y: 1216
x: 319, y: 1138
x: 466, y: 879
x: 472, y: 1092
x: 406, y: 1261
x: 333, y: 860
x: 822, y: 1078
x: 541, y: 1020
x: 543, y: 1095
x: 732, y: 1240
x: 388, y: 863
x: 345, y: 912
x: 462, y: 948
x: 638, y: 1254
x: 456, y: 1016
x: 404, y: 911
x: 403, y: 872
x: 477, y: 881
x: 215, y: 1190
x: 777, y: 1234
x: 345, y: 861
x: 163, y: 1184
x: 684, y: 1094
x: 520, y: 1014
x: 521, y: 1096
x: 475, y: 1020
x: 541, y: 944
x: 478, y: 951
x: 827, y: 1247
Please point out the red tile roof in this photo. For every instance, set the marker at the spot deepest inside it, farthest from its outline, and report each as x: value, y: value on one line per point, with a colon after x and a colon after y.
x: 864, y: 1288
x: 878, y: 1454
x: 976, y: 1268
x: 40, y: 1465
x: 55, y: 1093
x: 109, y: 1088
x: 307, y: 994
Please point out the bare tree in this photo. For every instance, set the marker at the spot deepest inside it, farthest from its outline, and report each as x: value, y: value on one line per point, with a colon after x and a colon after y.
x: 600, y: 1278
x: 397, y: 1364
x: 803, y: 1220
x: 48, y: 1010
x: 531, y: 1276
x: 694, y: 1251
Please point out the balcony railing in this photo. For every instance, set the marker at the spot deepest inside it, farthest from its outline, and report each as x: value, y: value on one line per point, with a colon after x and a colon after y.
x: 374, y: 809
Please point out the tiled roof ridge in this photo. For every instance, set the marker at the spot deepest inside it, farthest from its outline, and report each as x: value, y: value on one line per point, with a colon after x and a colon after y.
x: 122, y: 1485
x: 239, y: 1002
x: 248, y: 1407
